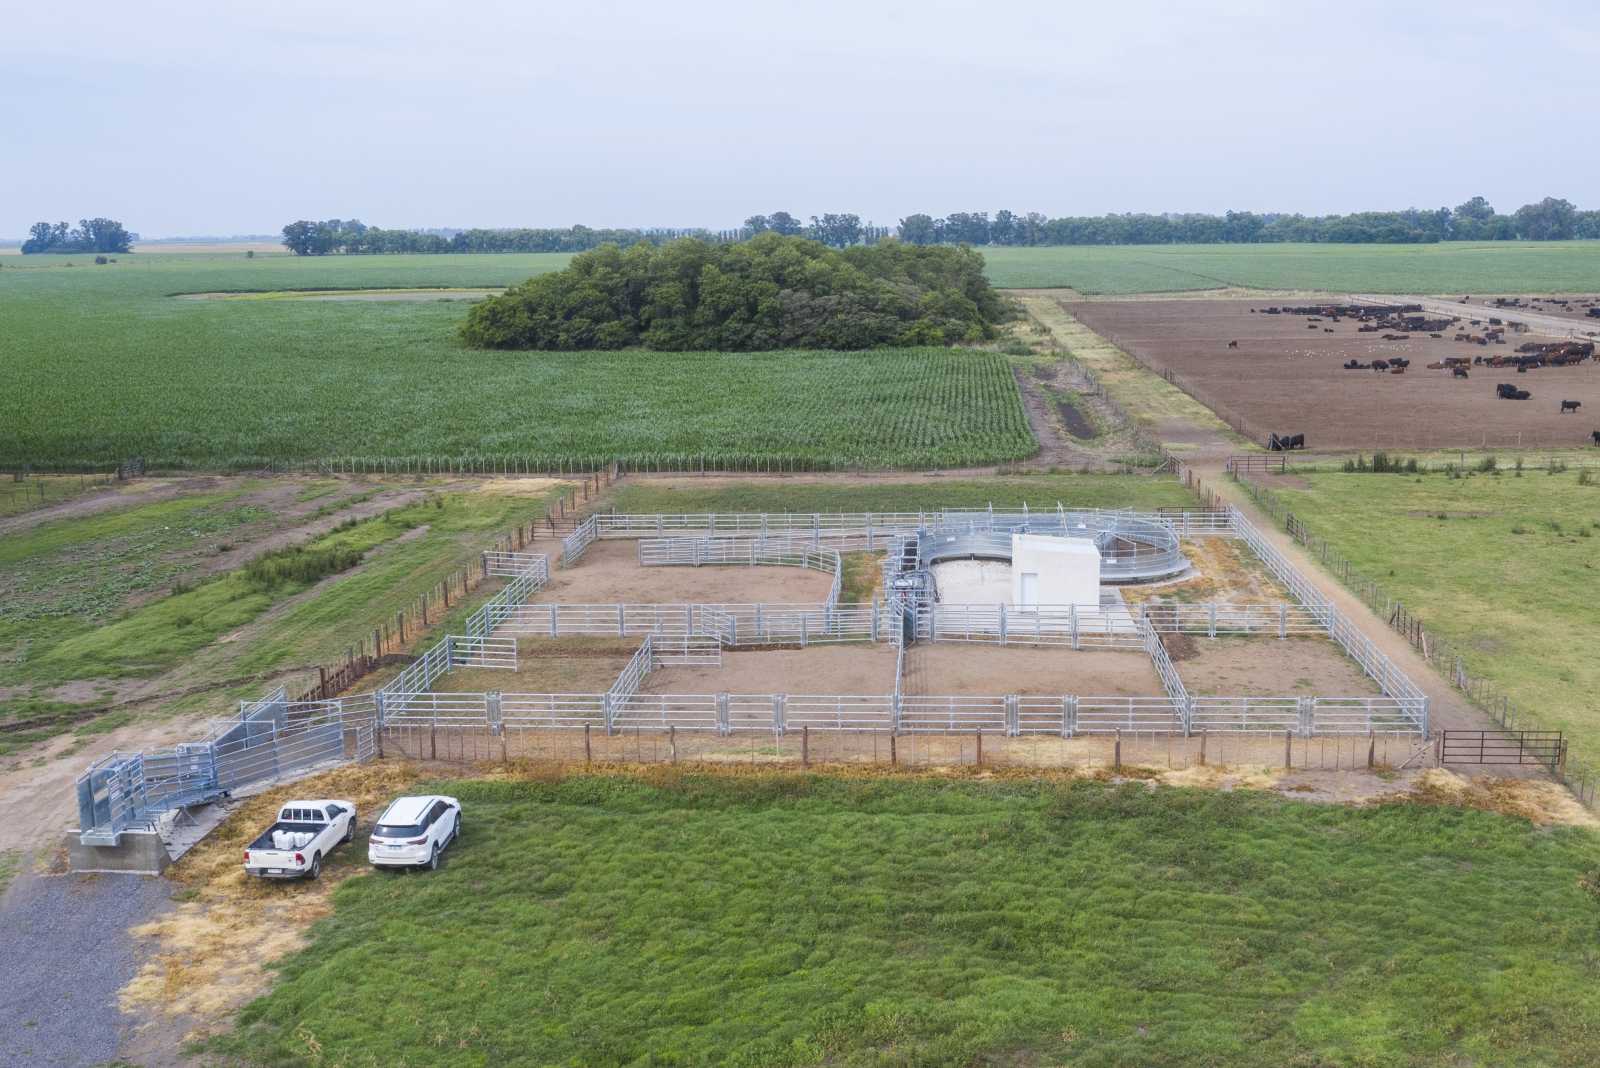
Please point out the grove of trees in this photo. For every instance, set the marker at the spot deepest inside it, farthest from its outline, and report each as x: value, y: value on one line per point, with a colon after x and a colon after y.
x: 90, y: 235
x: 770, y: 292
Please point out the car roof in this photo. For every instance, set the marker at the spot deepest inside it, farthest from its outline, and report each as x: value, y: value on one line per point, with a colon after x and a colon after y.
x: 410, y: 809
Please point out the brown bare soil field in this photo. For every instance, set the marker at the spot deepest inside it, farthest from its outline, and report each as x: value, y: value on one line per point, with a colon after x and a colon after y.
x: 609, y: 573
x: 562, y: 665
x: 1268, y: 667
x: 1572, y: 307
x: 1287, y: 377
x: 819, y: 669
x: 953, y: 668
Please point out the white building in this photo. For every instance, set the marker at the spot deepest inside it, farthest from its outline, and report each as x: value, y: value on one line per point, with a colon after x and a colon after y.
x: 1050, y: 570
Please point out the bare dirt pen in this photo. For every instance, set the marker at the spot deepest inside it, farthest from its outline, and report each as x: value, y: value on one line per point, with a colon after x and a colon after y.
x: 561, y: 665
x: 1224, y: 571
x: 1267, y: 667
x: 819, y: 669
x: 609, y: 573
x: 1286, y: 378
x: 959, y: 668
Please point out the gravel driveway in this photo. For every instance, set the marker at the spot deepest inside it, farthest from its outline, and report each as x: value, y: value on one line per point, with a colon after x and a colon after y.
x: 66, y: 951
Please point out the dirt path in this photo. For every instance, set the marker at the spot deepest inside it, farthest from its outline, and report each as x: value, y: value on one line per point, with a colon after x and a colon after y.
x: 117, y: 495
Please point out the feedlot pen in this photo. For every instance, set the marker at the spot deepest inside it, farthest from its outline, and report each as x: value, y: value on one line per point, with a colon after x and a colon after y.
x: 904, y: 675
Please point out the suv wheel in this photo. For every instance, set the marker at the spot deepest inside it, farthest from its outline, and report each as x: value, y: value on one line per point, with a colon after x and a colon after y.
x: 433, y: 859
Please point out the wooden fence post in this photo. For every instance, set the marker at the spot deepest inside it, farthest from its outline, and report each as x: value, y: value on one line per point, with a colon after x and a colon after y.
x: 979, y: 735
x: 805, y: 747
x: 1288, y: 749
x: 588, y: 751
x: 1116, y: 752
x: 672, y: 741
x: 894, y: 756
x: 1202, y: 747
x: 1372, y: 748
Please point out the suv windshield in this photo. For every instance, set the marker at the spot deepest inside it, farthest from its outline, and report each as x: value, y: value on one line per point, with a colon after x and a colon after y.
x: 397, y: 830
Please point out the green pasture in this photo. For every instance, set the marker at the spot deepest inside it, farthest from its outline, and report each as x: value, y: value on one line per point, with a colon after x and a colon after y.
x: 788, y: 920
x: 1446, y: 268
x: 1505, y: 567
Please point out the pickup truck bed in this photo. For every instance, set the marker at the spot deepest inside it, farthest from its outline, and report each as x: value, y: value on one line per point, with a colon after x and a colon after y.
x: 295, y: 846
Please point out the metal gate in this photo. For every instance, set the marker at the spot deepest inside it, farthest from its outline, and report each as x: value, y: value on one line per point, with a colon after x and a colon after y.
x: 1543, y: 748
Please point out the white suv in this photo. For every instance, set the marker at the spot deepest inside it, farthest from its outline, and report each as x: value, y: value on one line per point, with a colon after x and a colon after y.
x: 413, y: 831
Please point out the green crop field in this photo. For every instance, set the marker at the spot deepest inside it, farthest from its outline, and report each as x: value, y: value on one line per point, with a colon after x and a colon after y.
x: 1504, y: 567
x: 101, y: 363
x: 1451, y: 267
x: 787, y: 920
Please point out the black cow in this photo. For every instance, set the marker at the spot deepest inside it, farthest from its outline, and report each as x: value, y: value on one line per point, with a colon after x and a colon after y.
x: 1233, y: 344
x: 1285, y: 442
x: 1459, y: 371
x: 1596, y: 436
x: 1380, y: 365
x: 1570, y: 406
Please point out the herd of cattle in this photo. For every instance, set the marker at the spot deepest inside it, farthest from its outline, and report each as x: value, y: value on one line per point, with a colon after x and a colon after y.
x: 1564, y: 303
x: 1400, y: 321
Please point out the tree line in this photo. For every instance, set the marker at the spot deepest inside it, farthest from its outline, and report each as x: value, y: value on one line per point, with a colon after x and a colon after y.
x: 90, y: 235
x: 1550, y: 219
x: 770, y: 292
x: 352, y: 237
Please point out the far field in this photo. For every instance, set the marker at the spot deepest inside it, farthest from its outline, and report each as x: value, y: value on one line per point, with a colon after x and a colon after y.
x: 1502, y: 565
x: 783, y: 920
x: 1457, y: 268
x: 101, y: 364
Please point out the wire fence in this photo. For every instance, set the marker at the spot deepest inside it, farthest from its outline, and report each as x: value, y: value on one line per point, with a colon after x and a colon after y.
x: 1447, y: 658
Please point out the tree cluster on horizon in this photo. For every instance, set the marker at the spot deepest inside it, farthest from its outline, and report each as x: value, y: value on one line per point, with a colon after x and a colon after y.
x: 770, y: 292
x: 1550, y: 219
x: 90, y: 235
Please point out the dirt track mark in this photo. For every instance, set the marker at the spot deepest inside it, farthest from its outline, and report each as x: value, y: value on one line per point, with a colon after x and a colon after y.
x: 118, y: 495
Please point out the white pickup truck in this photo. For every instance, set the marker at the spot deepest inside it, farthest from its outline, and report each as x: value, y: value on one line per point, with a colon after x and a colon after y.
x: 306, y: 832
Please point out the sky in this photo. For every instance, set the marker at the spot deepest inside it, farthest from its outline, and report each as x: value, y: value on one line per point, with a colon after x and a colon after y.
x: 186, y: 118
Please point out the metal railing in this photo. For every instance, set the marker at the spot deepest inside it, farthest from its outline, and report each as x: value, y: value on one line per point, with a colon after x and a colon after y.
x: 574, y: 545
x: 1074, y: 626
x: 753, y: 552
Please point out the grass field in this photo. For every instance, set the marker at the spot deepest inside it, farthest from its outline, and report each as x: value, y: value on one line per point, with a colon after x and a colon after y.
x: 1040, y: 491
x: 1504, y: 567
x: 93, y: 604
x: 102, y: 364
x: 1451, y: 267
x: 803, y: 920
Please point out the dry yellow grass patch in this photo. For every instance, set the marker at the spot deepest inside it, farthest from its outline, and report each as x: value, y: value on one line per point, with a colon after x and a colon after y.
x: 1538, y: 800
x: 213, y: 953
x: 520, y: 487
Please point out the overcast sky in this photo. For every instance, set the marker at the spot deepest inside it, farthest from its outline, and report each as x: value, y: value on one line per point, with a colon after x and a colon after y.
x: 207, y: 118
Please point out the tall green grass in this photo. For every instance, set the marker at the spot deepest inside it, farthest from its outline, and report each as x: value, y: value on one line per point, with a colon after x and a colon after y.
x: 787, y: 920
x: 1501, y: 562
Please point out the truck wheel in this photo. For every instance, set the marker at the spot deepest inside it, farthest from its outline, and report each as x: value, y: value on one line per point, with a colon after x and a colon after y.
x: 349, y: 832
x: 316, y: 865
